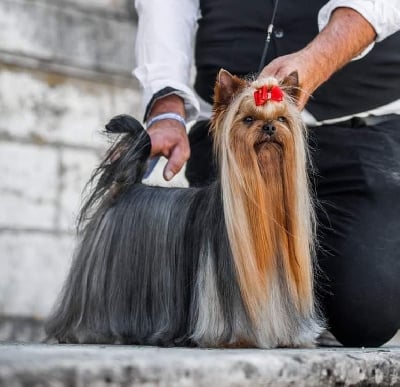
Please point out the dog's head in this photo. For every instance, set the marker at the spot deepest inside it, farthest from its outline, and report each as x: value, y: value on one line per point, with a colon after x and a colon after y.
x: 255, y: 115
x: 259, y: 137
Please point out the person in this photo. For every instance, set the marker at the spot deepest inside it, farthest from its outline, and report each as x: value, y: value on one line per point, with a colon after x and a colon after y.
x: 347, y: 55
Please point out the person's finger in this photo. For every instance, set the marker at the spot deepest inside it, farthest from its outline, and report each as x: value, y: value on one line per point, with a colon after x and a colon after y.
x: 159, y: 146
x: 177, y: 158
x: 276, y: 68
x: 159, y: 142
x: 269, y: 71
x: 165, y: 135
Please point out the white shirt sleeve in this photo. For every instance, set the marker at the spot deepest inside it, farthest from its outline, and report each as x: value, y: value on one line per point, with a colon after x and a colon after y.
x: 384, y: 15
x: 164, y: 48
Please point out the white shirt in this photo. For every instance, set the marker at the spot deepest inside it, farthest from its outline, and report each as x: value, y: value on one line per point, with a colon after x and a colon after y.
x: 164, y: 47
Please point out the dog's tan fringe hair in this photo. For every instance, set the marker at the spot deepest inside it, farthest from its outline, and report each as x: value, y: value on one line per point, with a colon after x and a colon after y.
x: 267, y: 206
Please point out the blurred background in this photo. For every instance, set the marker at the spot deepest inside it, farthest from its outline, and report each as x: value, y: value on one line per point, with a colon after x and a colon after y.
x: 65, y: 70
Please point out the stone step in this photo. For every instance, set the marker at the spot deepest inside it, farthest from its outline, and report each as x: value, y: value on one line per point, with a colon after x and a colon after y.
x: 93, y: 365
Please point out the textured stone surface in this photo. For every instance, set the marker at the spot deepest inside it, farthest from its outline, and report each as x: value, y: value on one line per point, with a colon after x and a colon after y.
x: 28, y: 186
x: 33, y: 268
x: 65, y: 365
x: 122, y: 8
x: 49, y: 144
x: 15, y: 329
x: 55, y: 33
x: 77, y: 166
x: 65, y: 70
x: 42, y: 107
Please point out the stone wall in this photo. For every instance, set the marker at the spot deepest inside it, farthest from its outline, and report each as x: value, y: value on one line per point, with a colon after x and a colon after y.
x: 65, y: 69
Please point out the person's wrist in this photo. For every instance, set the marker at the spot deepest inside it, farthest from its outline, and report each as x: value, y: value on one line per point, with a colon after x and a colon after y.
x: 168, y: 104
x: 166, y: 116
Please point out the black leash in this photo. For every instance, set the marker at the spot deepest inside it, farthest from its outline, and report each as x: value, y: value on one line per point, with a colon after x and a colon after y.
x: 268, y: 37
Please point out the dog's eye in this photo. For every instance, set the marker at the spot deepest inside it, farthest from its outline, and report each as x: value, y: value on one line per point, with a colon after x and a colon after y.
x: 248, y: 119
x: 282, y: 119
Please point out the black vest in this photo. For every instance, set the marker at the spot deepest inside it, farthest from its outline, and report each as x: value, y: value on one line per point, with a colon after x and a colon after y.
x: 231, y: 34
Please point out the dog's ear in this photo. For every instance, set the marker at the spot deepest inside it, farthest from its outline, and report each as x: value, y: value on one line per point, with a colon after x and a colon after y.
x: 291, y: 85
x: 226, y: 87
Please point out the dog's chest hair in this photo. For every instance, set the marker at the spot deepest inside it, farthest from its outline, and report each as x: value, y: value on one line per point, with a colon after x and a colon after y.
x: 211, y: 325
x: 278, y: 322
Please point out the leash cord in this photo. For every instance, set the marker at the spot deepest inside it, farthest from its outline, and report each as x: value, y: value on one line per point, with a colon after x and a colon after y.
x: 268, y: 37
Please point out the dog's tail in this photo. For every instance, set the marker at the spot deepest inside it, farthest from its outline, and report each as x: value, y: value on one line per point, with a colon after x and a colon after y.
x: 123, y: 165
x: 122, y: 168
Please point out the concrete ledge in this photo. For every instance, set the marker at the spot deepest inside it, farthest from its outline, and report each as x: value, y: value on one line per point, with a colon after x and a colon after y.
x: 91, y: 365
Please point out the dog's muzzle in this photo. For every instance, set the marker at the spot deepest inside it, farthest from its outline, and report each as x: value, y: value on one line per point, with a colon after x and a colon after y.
x: 269, y: 129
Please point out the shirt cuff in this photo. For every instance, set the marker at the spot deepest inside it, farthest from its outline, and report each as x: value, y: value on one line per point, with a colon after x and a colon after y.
x: 192, y: 107
x: 158, y: 86
x: 165, y: 92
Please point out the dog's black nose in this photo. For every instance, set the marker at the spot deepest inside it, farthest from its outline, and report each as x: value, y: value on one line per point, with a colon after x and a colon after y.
x: 269, y: 129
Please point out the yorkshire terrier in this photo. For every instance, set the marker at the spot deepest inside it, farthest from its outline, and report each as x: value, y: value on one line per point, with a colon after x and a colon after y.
x: 226, y: 265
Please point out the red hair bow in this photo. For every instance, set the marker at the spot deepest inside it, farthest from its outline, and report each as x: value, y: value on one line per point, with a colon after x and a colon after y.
x: 262, y: 95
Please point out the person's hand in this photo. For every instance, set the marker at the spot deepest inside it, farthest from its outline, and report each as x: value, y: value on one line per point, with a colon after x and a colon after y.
x: 168, y: 137
x: 346, y: 35
x: 310, y: 72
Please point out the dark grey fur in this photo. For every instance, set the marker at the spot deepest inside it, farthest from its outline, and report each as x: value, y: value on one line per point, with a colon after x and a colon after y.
x: 134, y: 275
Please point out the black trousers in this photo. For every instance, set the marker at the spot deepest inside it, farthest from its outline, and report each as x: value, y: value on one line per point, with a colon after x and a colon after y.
x: 357, y: 184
